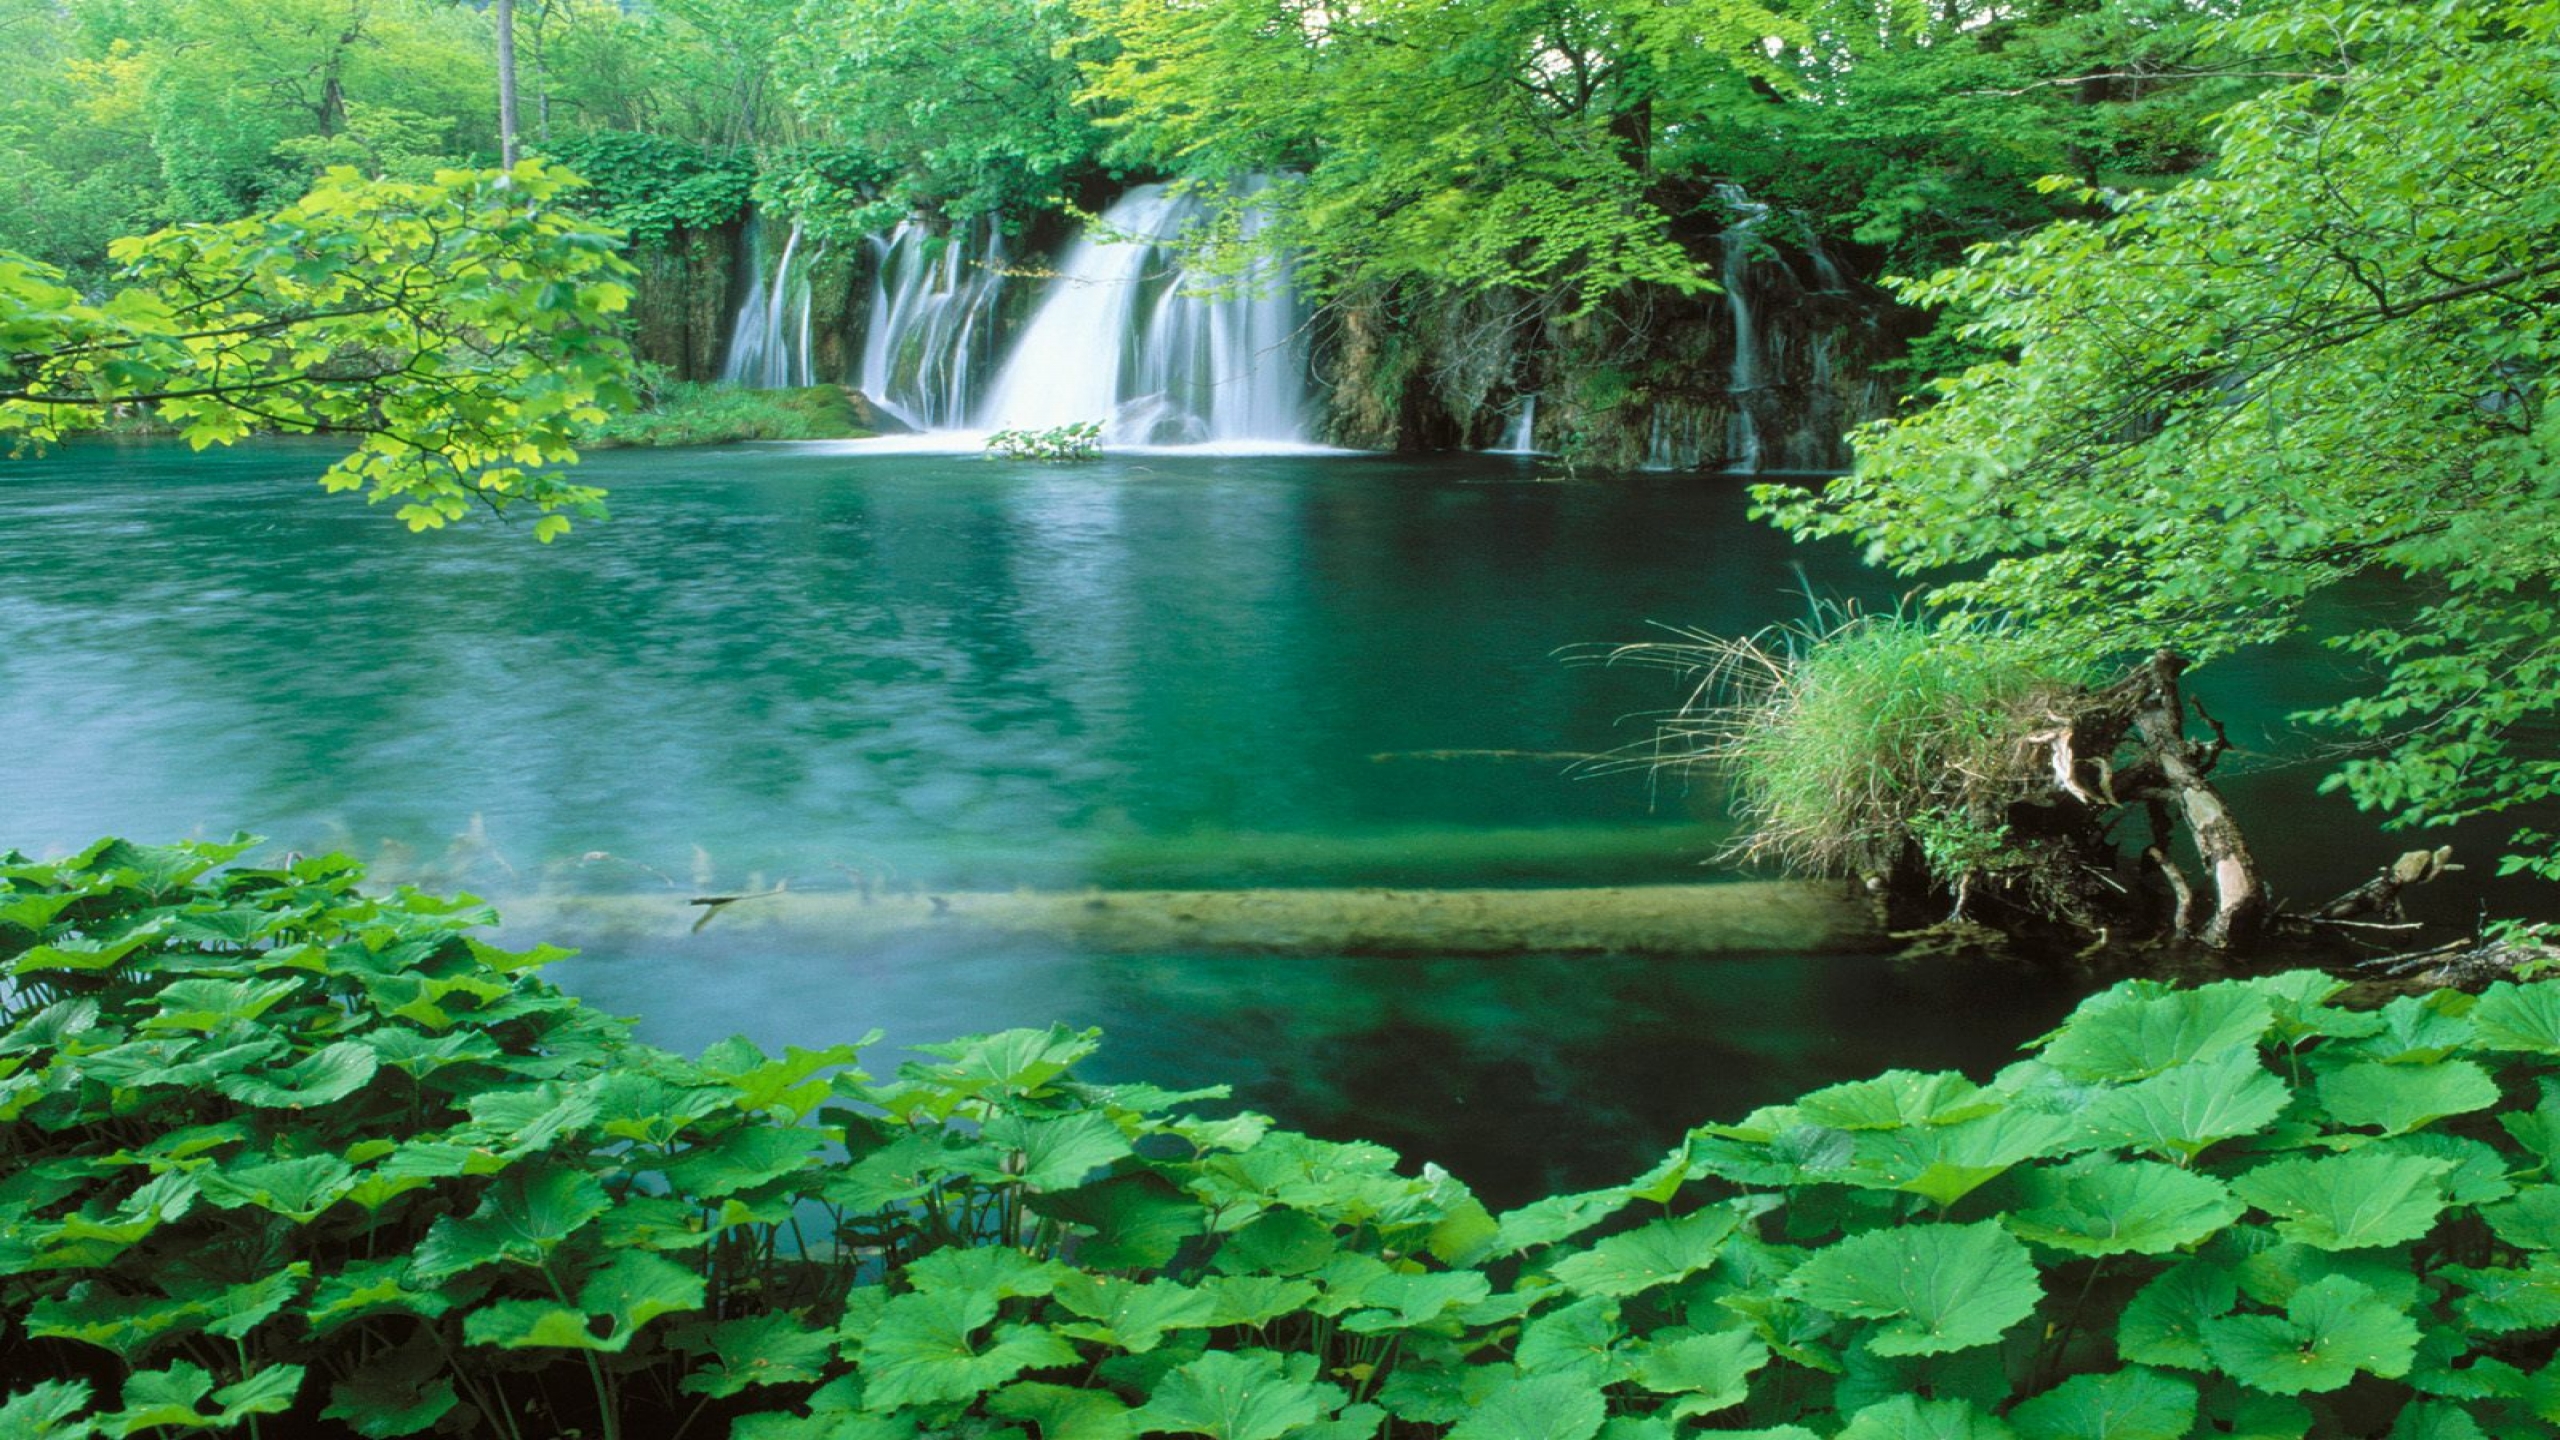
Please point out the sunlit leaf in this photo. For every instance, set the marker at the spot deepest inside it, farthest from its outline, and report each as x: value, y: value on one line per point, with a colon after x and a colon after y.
x: 1934, y: 1287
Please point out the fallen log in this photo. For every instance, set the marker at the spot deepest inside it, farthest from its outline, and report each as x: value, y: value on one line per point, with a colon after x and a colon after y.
x: 1806, y: 917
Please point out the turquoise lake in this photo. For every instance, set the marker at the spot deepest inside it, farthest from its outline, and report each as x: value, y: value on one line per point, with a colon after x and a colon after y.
x: 812, y: 665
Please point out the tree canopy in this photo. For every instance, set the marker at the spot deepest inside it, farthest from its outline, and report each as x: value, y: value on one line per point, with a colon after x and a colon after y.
x: 2328, y: 359
x: 457, y: 327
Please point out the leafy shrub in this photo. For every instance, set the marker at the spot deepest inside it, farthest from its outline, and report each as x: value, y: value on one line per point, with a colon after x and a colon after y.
x: 1080, y: 441
x: 654, y: 185
x: 688, y: 413
x: 280, y: 1149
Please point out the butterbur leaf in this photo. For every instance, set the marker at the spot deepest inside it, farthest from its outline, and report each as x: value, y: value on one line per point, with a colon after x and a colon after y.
x: 632, y: 1289
x: 1579, y: 1340
x: 2435, y: 1420
x: 1908, y: 1417
x: 2518, y: 1017
x: 2118, y: 1207
x: 296, y: 1189
x: 1934, y: 1287
x: 2179, y: 1112
x: 1055, y: 1154
x: 45, y: 1412
x: 2134, y: 1404
x: 1895, y: 1099
x: 2344, y: 1202
x: 1535, y: 1407
x: 1399, y: 1301
x: 2133, y: 1031
x: 1065, y: 1412
x: 526, y: 1214
x: 987, y: 1272
x: 1132, y: 1315
x: 2418, y: 1029
x: 1557, y: 1217
x: 2531, y: 1221
x: 1654, y: 1254
x: 1240, y: 1395
x: 1254, y: 1299
x: 2400, y: 1098
x: 326, y: 1075
x: 2273, y: 1275
x: 2328, y: 1332
x: 2502, y: 1300
x: 1128, y: 1222
x: 769, y: 1349
x: 1707, y: 1372
x: 742, y: 1159
x: 2268, y: 1417
x: 209, y: 1005
x: 400, y: 1391
x: 1945, y: 1163
x: 924, y: 1349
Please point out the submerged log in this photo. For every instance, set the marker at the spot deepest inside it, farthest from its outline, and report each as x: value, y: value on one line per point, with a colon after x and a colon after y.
x: 1805, y: 917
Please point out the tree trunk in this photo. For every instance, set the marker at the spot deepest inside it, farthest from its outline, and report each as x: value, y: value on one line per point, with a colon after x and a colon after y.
x: 2240, y: 898
x: 507, y: 83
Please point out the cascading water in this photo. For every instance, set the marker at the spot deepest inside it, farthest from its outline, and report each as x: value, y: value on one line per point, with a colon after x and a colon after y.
x: 1522, y: 437
x: 1742, y: 431
x: 769, y: 346
x: 932, y: 329
x: 1161, y: 354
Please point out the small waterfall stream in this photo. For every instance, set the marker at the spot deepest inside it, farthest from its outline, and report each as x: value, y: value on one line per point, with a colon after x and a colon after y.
x: 1161, y: 354
x: 1522, y: 437
x: 1742, y: 431
x: 769, y: 345
x: 930, y: 338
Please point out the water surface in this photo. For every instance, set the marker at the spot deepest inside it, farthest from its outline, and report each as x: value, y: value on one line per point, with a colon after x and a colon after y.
x: 793, y: 664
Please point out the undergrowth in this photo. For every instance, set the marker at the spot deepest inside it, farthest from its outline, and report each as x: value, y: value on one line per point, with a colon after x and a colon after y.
x: 687, y: 413
x: 285, y: 1157
x: 1859, y: 744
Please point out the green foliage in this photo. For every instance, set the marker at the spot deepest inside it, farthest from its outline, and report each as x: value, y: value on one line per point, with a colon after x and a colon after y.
x: 1080, y: 441
x: 684, y: 413
x: 1854, y: 746
x: 522, y: 1217
x: 651, y: 186
x: 460, y: 328
x: 2329, y: 358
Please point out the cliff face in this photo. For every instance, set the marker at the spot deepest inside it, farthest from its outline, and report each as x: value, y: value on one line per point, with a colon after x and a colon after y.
x: 1768, y: 376
x: 681, y: 312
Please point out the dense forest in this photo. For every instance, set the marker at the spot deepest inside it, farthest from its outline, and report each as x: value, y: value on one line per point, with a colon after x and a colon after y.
x: 2139, y: 334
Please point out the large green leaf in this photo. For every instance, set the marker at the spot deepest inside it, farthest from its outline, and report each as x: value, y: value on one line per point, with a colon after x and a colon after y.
x: 45, y: 1412
x: 2330, y: 1331
x: 1895, y: 1099
x: 209, y: 1005
x: 1128, y: 1221
x: 1400, y: 1301
x: 2179, y: 1112
x: 924, y: 1350
x: 527, y: 1213
x: 2501, y: 1300
x: 1065, y: 1412
x: 399, y: 1391
x: 1535, y: 1407
x: 1132, y: 1315
x: 1706, y: 1372
x: 297, y: 1189
x: 630, y: 1290
x: 2117, y: 1207
x: 1581, y: 1339
x: 326, y: 1075
x: 1233, y: 1395
x: 2400, y: 1098
x: 2346, y: 1202
x: 1053, y: 1154
x: 1945, y: 1163
x: 2133, y: 1404
x: 2418, y: 1029
x: 2530, y: 1221
x: 1934, y: 1287
x: 2519, y: 1017
x: 773, y: 1348
x: 2135, y: 1031
x: 742, y: 1159
x: 1656, y: 1253
x: 1908, y: 1417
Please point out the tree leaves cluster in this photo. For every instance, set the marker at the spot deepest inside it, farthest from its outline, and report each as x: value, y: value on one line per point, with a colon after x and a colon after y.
x: 2327, y: 360
x: 281, y: 1148
x: 460, y: 328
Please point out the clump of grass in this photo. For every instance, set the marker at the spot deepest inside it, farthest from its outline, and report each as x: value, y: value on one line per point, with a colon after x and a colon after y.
x: 686, y: 413
x: 1861, y: 744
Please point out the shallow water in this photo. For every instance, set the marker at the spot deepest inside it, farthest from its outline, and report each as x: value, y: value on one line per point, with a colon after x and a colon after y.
x: 929, y: 670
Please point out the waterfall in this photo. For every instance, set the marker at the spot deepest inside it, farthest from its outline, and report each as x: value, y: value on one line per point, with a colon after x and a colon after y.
x: 932, y: 325
x: 1161, y: 354
x: 1521, y: 438
x: 769, y: 345
x: 1674, y: 439
x: 1742, y: 435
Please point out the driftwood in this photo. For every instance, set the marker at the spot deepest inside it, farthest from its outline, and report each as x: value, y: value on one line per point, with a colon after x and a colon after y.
x: 2091, y: 760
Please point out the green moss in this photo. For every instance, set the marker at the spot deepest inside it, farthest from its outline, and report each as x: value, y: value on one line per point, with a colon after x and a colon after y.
x: 684, y: 413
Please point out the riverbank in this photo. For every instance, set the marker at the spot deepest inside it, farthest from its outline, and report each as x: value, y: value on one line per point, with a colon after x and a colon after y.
x: 690, y: 413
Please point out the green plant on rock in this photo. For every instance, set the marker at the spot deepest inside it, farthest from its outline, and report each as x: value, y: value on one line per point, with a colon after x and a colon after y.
x: 285, y: 1154
x: 1080, y: 441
